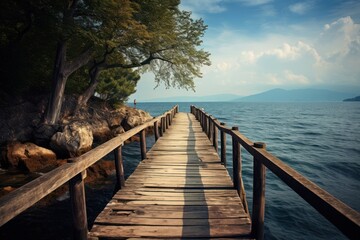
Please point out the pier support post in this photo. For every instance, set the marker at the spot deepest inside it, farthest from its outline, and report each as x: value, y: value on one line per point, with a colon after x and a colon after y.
x: 163, y: 129
x: 119, y: 167
x: 215, y: 136
x: 156, y: 130
x: 78, y: 205
x: 166, y: 121
x: 210, y: 129
x: 143, y: 144
x: 258, y: 215
x: 223, y: 145
x: 236, y: 162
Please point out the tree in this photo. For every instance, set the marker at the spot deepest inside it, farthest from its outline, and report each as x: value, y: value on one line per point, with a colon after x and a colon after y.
x: 86, y: 25
x: 92, y: 36
x: 116, y: 85
x: 170, y: 49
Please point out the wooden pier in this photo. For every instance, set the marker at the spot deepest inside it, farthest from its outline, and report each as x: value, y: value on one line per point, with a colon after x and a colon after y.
x: 180, y: 190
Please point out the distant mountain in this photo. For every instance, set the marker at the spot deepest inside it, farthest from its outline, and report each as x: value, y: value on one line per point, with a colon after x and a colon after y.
x: 297, y: 95
x: 210, y: 98
x: 355, y: 99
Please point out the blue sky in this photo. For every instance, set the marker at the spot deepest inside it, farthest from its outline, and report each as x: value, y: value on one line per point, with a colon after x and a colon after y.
x: 258, y: 45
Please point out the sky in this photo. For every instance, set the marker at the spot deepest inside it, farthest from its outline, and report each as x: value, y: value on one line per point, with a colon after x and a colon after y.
x: 258, y: 45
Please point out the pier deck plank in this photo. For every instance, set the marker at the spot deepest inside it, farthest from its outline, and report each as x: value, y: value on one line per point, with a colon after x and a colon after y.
x: 180, y: 191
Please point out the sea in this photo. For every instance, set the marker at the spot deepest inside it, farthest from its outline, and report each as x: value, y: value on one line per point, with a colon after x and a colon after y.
x: 319, y: 140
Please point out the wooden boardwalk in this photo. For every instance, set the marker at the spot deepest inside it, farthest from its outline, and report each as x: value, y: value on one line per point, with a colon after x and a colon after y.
x: 180, y: 190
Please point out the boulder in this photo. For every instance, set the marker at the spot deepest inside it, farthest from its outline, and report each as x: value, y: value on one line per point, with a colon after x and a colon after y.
x: 100, y: 130
x: 115, y: 118
x: 134, y: 118
x: 117, y: 131
x: 29, y: 157
x: 43, y: 133
x: 101, y: 169
x: 76, y: 139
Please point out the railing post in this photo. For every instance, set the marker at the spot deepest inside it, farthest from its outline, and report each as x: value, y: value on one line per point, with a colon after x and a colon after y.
x: 119, y: 167
x: 163, y: 125
x: 236, y: 162
x: 205, y: 123
x: 223, y: 145
x: 203, y: 120
x: 215, y: 136
x: 143, y: 144
x: 78, y: 205
x: 167, y: 121
x: 208, y: 125
x: 210, y: 129
x: 156, y: 130
x: 258, y: 210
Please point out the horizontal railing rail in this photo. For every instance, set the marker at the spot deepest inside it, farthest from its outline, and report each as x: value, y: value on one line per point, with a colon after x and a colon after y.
x: 346, y: 219
x: 74, y: 172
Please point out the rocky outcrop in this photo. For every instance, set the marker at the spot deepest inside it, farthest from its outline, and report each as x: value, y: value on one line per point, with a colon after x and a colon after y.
x: 134, y: 117
x: 100, y: 130
x: 75, y: 139
x: 28, y: 157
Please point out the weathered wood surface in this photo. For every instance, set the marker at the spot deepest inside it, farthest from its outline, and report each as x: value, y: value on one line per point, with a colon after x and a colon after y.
x: 180, y: 190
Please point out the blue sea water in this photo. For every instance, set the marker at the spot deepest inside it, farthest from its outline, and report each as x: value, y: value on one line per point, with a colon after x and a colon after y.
x: 319, y: 140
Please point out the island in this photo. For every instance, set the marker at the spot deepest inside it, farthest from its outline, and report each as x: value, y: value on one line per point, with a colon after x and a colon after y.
x: 355, y: 99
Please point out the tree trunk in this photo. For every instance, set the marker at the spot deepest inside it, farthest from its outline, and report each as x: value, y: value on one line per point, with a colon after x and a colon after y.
x: 62, y: 70
x: 58, y: 86
x: 84, y: 98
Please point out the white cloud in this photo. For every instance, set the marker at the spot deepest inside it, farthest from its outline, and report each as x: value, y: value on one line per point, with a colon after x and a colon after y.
x: 296, y: 78
x: 301, y: 7
x: 255, y: 2
x: 205, y: 6
x: 218, y: 6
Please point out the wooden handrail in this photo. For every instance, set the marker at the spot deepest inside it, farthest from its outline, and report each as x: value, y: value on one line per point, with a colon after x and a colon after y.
x: 24, y: 197
x: 346, y: 219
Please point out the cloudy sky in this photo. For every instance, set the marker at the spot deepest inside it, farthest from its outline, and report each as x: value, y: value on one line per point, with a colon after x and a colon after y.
x: 258, y: 45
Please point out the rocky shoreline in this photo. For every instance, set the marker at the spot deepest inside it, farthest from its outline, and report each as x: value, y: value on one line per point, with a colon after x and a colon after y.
x: 30, y: 148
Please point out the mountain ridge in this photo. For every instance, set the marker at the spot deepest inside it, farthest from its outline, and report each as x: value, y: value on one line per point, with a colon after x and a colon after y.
x: 296, y: 95
x: 273, y: 95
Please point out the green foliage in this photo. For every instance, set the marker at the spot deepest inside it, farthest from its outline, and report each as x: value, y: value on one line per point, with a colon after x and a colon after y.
x: 116, y: 85
x: 26, y: 46
x: 149, y: 35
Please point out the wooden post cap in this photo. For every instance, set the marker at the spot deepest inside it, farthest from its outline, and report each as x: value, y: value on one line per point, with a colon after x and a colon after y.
x: 235, y: 128
x: 259, y: 144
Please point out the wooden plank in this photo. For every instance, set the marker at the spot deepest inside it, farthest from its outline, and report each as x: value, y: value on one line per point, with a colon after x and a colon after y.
x: 170, y: 231
x: 164, y: 221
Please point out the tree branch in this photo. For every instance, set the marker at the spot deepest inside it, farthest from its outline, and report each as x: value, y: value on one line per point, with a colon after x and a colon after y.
x: 133, y: 65
x: 78, y: 62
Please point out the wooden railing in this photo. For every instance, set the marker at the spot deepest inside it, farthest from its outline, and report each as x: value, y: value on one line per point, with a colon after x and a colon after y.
x: 346, y: 219
x: 74, y: 172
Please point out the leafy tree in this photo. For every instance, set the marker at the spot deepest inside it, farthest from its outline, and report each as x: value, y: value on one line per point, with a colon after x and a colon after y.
x: 86, y: 25
x: 117, y: 85
x: 95, y: 36
x: 26, y: 46
x: 169, y: 49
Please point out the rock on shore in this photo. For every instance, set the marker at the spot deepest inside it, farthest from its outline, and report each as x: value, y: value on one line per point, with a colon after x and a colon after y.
x: 74, y: 135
